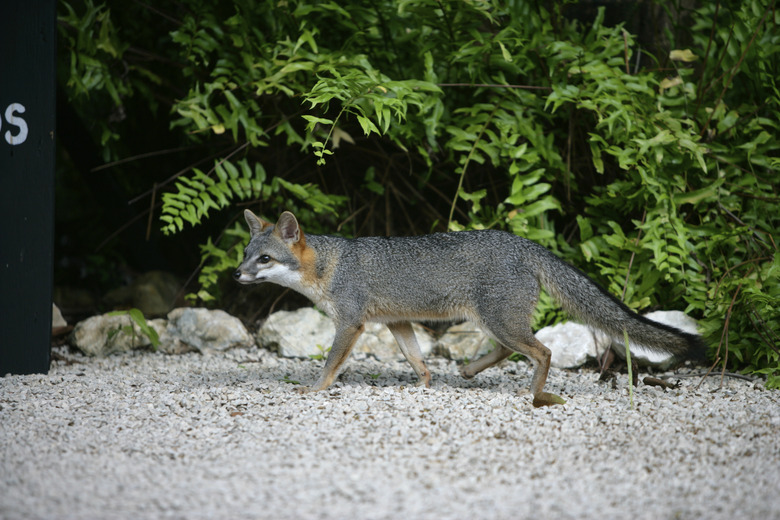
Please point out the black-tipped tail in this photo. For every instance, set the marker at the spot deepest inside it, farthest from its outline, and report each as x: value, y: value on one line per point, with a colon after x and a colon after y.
x: 587, y: 300
x: 697, y: 349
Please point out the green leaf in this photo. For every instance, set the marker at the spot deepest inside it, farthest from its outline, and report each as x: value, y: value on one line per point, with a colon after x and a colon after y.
x: 683, y: 55
x: 313, y: 120
x: 505, y: 53
x: 367, y: 125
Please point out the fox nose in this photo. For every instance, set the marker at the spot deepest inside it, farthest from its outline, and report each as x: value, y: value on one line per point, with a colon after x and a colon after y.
x: 237, y: 274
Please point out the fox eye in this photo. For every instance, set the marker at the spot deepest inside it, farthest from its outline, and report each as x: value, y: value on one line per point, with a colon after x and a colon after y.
x: 264, y: 259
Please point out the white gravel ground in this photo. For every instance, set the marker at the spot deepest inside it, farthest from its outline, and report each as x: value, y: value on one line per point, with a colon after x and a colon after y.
x: 146, y: 435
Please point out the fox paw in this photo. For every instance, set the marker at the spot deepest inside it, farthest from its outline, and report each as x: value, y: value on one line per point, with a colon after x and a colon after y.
x: 425, y: 380
x: 547, y: 399
x: 465, y: 373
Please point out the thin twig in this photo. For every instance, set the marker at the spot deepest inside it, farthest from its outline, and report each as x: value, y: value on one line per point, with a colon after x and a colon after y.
x: 160, y: 13
x: 151, y: 212
x: 625, y: 50
x: 657, y: 381
x: 728, y: 271
x: 723, y: 337
x: 177, y: 175
x: 123, y: 227
x: 466, y: 164
x: 633, y: 254
x: 707, y: 56
x: 213, y: 156
x: 757, y: 325
x: 492, y: 85
x: 273, y: 305
x: 741, y: 223
x: 735, y: 69
x: 706, y: 374
x: 140, y: 156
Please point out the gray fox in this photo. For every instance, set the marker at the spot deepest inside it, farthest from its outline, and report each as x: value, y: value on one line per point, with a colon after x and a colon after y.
x: 490, y: 277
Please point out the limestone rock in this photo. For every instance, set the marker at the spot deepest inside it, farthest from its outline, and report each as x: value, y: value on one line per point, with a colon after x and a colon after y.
x: 297, y: 334
x: 105, y: 334
x: 464, y: 341
x: 307, y: 332
x: 206, y: 329
x: 378, y: 341
x: 57, y: 321
x: 572, y: 343
x: 169, y: 344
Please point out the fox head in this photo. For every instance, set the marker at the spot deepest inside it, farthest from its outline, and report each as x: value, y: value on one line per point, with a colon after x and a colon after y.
x: 274, y: 253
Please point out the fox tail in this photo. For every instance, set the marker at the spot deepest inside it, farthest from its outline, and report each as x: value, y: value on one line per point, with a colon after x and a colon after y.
x: 591, y: 303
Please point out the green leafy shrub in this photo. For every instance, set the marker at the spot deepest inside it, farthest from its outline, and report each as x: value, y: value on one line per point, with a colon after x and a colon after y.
x: 656, y: 170
x: 138, y: 320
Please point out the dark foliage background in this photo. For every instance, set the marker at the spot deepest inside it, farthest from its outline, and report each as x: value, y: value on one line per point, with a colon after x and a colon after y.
x: 638, y: 140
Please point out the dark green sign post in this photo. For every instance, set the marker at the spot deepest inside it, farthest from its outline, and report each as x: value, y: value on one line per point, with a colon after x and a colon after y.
x: 27, y: 92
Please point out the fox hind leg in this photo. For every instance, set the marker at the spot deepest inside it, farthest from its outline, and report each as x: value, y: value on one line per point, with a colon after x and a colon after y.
x: 514, y: 336
x: 493, y: 357
x: 540, y: 355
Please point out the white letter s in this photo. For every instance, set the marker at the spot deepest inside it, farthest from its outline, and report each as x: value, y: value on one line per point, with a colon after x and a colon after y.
x: 18, y: 121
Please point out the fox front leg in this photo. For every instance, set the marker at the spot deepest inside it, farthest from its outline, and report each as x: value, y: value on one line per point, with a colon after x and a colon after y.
x: 345, y: 339
x: 404, y: 335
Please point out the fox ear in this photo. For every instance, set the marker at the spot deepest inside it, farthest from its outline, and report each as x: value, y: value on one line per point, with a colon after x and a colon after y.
x: 288, y: 228
x: 255, y: 223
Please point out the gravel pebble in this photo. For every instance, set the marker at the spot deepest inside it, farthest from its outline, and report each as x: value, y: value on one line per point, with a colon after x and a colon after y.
x: 142, y: 435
